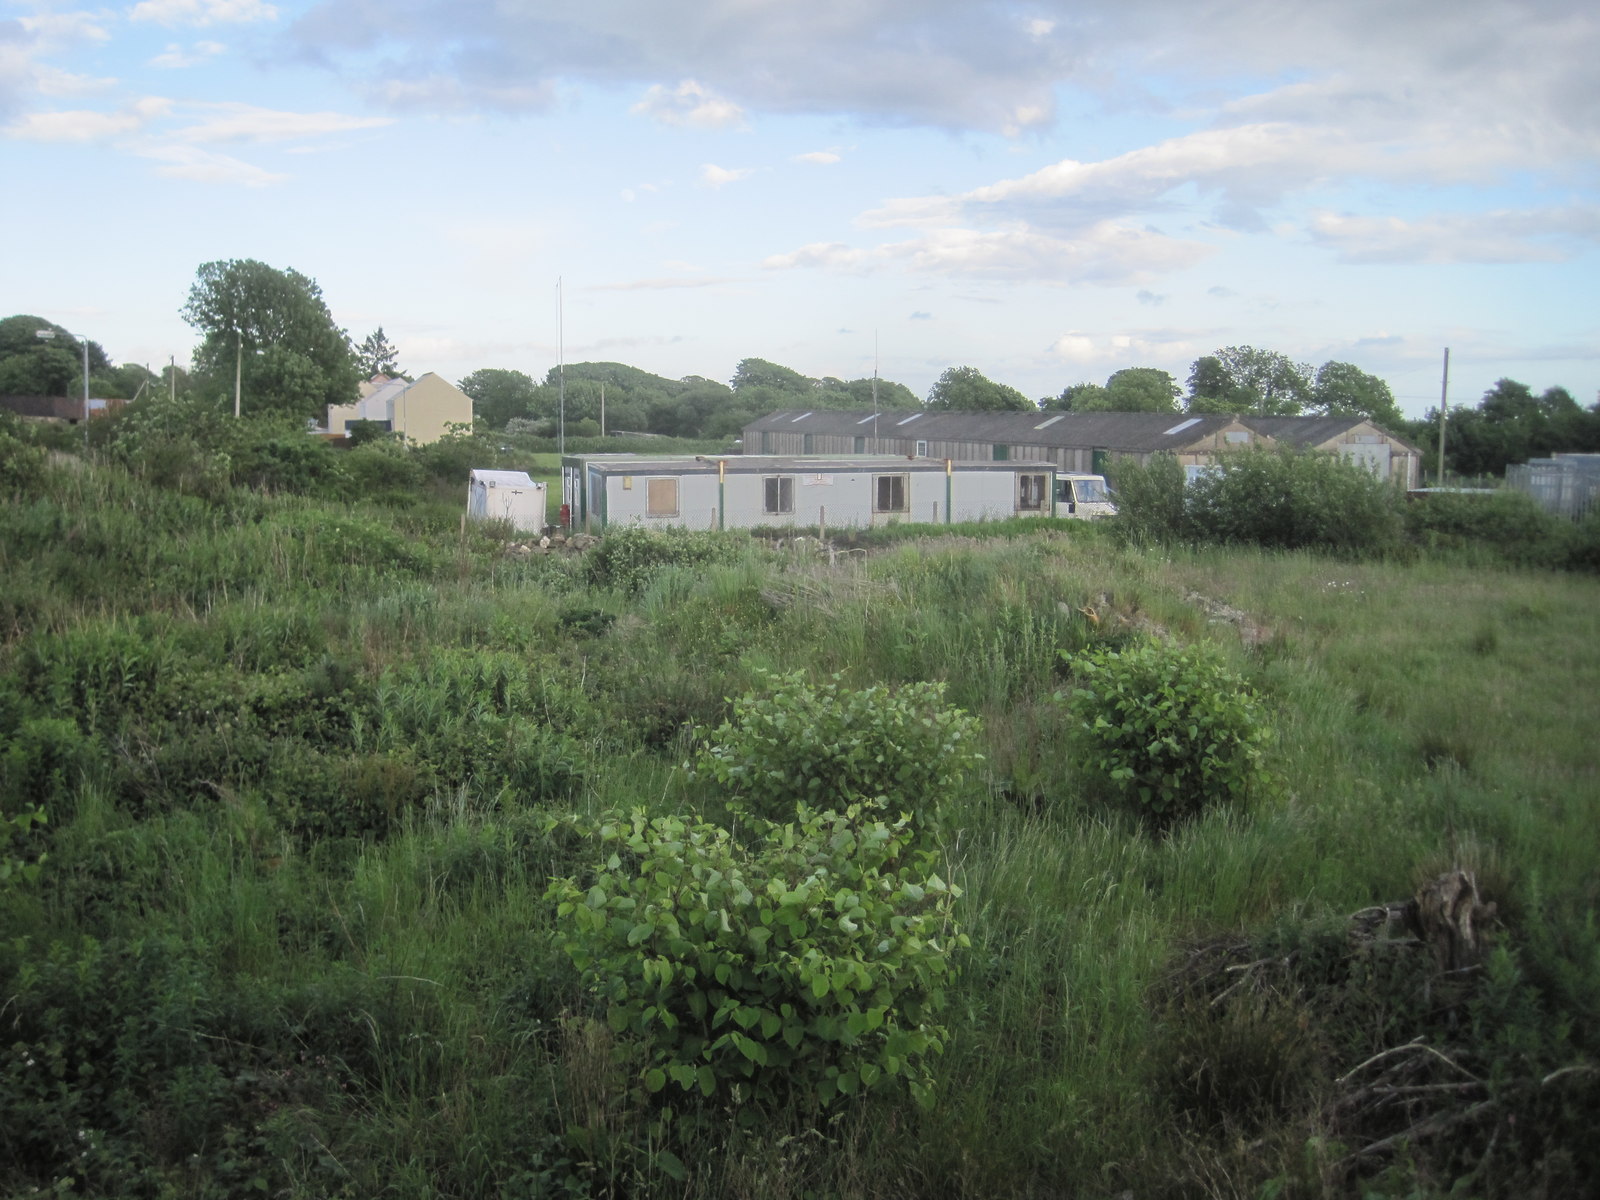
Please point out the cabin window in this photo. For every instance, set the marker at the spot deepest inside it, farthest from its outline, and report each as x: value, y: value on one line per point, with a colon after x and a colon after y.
x: 889, y: 494
x: 1001, y: 452
x: 922, y: 449
x: 662, y: 498
x: 808, y: 443
x: 1031, y: 493
x: 779, y: 494
x: 861, y: 443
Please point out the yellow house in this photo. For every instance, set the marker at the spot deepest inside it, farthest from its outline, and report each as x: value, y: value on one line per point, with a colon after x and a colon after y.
x: 421, y: 411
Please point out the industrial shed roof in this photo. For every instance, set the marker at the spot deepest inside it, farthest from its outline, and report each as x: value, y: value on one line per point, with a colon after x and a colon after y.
x: 1112, y: 431
x: 751, y: 464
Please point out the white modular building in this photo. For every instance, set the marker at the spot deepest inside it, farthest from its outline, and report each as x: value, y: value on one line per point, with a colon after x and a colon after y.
x: 507, y: 496
x: 747, y: 491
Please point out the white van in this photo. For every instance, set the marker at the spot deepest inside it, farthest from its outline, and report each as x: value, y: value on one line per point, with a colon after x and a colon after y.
x: 1083, y: 496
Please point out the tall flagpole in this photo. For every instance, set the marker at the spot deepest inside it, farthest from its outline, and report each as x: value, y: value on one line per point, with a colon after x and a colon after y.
x: 875, y: 391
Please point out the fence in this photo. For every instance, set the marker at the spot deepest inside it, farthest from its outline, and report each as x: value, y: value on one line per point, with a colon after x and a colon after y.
x: 1568, y: 484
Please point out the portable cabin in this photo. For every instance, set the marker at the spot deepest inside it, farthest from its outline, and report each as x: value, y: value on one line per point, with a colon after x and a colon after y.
x: 507, y: 496
x: 744, y: 491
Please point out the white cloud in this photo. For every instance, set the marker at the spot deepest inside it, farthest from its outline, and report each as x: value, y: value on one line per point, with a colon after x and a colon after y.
x: 689, y: 104
x: 247, y: 123
x: 87, y: 126
x: 714, y: 176
x: 176, y: 57
x: 819, y: 157
x: 205, y: 166
x: 1110, y: 253
x: 1504, y: 236
x: 203, y: 12
x: 440, y: 92
x: 54, y: 30
x: 1117, y: 350
x: 52, y: 81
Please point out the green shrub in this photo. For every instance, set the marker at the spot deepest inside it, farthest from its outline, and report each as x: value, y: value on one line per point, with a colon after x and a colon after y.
x: 807, y: 966
x: 1150, y: 500
x: 1289, y: 500
x: 1167, y: 728
x: 1507, y: 527
x: 21, y: 466
x: 629, y: 555
x: 828, y: 747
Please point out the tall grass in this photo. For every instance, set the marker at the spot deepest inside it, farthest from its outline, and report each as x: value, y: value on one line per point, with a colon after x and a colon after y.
x: 376, y: 1006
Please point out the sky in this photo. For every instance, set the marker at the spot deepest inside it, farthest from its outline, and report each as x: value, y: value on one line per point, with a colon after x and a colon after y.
x: 1046, y: 191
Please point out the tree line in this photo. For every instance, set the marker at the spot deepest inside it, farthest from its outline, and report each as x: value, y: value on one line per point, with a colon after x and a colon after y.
x: 269, y: 334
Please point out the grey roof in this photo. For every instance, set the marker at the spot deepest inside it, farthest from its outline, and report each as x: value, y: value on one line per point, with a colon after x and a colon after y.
x: 1139, y: 432
x: 1314, y: 431
x: 755, y: 464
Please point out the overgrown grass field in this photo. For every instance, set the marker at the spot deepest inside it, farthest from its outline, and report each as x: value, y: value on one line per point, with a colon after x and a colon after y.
x: 305, y: 767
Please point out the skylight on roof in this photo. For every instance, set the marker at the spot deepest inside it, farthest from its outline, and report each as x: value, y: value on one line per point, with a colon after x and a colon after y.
x: 864, y: 420
x: 1045, y: 424
x: 1181, y: 426
x: 801, y: 417
x: 909, y: 419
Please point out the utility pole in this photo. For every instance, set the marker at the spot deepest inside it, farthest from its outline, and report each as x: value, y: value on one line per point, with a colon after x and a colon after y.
x: 602, y: 409
x: 1444, y: 404
x: 238, y: 369
x: 172, y: 377
x: 561, y: 361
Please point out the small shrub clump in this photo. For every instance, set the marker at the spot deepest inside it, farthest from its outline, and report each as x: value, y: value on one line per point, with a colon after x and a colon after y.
x: 629, y: 556
x: 806, y: 966
x: 827, y: 747
x: 1168, y: 729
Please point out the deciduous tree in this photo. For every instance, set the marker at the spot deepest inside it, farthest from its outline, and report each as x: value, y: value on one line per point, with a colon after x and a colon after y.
x: 275, y: 325
x: 1345, y: 390
x: 966, y: 389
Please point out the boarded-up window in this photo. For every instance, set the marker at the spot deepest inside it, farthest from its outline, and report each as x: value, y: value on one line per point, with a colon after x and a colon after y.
x: 1030, y: 493
x: 808, y: 443
x: 662, y: 498
x: 889, y: 493
x: 779, y: 494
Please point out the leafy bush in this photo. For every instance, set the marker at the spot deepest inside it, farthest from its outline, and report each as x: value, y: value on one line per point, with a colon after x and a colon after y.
x: 1150, y: 500
x: 828, y: 747
x: 1168, y: 729
x: 807, y: 966
x: 1289, y: 500
x: 629, y: 555
x: 21, y: 465
x: 1508, y: 527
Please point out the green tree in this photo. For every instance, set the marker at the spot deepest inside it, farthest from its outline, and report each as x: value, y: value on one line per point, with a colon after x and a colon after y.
x: 376, y: 356
x: 1264, y: 382
x: 499, y: 395
x: 275, y: 325
x: 1080, y: 397
x: 966, y: 389
x: 759, y: 373
x: 1511, y: 425
x: 1142, y: 389
x: 34, y: 366
x: 1211, y: 390
x: 1342, y: 389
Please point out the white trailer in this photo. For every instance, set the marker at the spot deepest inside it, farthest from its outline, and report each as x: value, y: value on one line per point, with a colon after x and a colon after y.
x: 745, y: 491
x: 507, y: 496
